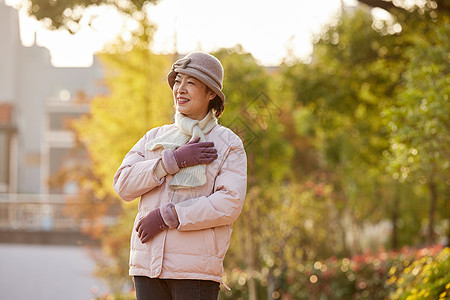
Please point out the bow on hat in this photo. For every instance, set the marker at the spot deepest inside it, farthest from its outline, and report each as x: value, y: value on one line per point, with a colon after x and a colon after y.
x: 181, y: 64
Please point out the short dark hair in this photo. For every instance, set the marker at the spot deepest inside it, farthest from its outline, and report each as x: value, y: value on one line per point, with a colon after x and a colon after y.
x: 216, y: 104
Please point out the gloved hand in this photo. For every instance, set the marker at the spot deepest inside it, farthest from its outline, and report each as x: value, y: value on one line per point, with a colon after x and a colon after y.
x: 195, y: 153
x: 191, y: 154
x: 150, y: 225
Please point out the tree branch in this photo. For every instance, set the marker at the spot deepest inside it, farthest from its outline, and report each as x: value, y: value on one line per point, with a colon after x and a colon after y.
x: 442, y: 5
x: 379, y: 3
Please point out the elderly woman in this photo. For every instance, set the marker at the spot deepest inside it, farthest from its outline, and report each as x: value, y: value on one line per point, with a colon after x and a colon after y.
x: 191, y: 178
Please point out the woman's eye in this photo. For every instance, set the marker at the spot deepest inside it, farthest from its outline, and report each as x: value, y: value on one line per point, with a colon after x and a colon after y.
x: 191, y: 82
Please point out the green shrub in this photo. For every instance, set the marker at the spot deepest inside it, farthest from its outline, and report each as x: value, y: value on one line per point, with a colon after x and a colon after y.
x: 425, y: 278
x: 369, y: 276
x: 384, y: 275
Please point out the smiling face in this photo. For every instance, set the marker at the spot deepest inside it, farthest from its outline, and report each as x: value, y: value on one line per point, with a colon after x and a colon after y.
x: 191, y: 96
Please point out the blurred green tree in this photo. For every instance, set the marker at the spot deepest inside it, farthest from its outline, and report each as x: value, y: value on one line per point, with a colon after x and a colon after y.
x: 352, y: 77
x: 356, y: 75
x: 419, y: 122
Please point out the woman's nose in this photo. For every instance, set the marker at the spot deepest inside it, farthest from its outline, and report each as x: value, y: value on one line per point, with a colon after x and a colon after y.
x: 182, y: 87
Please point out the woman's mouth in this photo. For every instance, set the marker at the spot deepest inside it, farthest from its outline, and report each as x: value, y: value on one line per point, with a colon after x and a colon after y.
x: 182, y: 100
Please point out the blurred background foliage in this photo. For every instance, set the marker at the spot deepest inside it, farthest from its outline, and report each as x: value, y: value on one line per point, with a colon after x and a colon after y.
x: 347, y: 154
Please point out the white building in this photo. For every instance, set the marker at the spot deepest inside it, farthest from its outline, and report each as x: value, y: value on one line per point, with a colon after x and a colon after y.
x: 36, y: 102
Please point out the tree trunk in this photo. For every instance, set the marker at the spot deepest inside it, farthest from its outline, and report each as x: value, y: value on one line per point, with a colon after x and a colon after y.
x: 271, y: 286
x: 252, y: 291
x: 447, y: 215
x: 431, y: 238
x: 395, y: 211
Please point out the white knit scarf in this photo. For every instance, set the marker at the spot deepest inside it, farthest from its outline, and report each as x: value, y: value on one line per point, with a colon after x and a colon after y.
x: 185, y: 129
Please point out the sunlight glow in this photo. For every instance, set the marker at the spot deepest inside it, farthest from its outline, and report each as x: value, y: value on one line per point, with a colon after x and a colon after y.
x: 270, y: 31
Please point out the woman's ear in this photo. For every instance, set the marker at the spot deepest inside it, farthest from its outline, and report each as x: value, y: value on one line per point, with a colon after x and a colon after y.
x: 212, y: 95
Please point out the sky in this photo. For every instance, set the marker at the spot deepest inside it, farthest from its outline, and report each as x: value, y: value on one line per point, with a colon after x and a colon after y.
x: 267, y: 29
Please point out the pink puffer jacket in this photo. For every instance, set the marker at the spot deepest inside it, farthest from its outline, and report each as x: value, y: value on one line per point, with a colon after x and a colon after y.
x: 196, y: 249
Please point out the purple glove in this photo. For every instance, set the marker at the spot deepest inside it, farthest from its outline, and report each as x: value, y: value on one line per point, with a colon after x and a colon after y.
x: 150, y: 225
x: 191, y: 154
x: 195, y: 153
